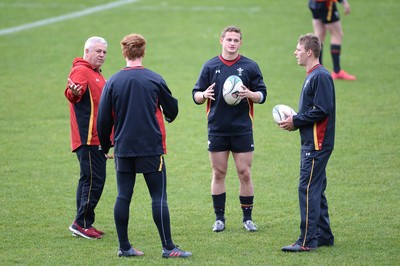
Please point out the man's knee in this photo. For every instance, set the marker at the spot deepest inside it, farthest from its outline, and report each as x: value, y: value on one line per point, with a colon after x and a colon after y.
x: 244, y: 175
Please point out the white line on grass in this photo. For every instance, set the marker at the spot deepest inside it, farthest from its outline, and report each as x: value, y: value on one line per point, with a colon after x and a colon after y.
x: 66, y: 17
x: 235, y: 9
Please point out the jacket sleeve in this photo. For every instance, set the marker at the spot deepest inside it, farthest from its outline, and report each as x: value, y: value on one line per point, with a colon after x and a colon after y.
x: 71, y: 97
x: 168, y: 103
x: 323, y: 103
x: 257, y: 83
x: 201, y: 83
x: 105, y: 120
x: 78, y: 76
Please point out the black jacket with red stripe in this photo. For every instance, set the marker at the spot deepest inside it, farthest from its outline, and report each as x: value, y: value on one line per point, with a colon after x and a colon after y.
x: 317, y: 111
x: 224, y: 119
x: 135, y: 100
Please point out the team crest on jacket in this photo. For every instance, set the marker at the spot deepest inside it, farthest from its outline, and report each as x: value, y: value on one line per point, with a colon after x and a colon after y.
x: 240, y: 71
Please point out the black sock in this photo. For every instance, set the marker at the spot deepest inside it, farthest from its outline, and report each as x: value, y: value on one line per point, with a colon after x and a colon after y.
x: 219, y: 206
x: 335, y: 52
x: 247, y: 206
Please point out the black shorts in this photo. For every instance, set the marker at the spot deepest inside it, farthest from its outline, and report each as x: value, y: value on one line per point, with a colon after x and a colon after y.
x: 327, y: 15
x: 147, y: 164
x: 231, y: 143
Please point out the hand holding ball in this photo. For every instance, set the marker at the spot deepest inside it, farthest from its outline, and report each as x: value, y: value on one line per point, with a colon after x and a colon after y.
x: 232, y: 87
x: 278, y: 112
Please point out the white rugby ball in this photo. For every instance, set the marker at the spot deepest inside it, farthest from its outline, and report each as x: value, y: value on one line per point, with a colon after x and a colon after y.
x: 278, y: 112
x: 232, y: 87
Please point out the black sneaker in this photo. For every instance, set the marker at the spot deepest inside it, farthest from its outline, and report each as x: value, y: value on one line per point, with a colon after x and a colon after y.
x: 132, y: 252
x: 175, y: 253
x: 297, y: 248
x: 326, y: 244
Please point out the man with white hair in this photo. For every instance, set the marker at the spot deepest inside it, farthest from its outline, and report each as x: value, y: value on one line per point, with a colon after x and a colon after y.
x: 85, y: 84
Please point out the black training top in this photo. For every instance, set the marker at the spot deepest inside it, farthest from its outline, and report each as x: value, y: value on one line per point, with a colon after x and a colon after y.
x: 224, y: 119
x: 134, y: 100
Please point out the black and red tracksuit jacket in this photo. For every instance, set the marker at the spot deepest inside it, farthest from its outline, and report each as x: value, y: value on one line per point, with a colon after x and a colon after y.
x: 83, y: 108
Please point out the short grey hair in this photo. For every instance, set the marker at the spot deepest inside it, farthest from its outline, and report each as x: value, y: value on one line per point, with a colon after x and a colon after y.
x: 92, y: 40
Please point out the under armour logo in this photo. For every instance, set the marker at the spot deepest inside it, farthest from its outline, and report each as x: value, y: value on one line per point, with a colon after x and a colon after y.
x: 217, y: 71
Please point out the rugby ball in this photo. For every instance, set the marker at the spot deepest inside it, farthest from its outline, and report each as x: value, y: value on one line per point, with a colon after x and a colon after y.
x: 278, y: 112
x: 232, y: 87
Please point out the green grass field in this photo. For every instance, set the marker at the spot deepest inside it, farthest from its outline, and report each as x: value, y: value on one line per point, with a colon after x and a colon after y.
x: 38, y: 173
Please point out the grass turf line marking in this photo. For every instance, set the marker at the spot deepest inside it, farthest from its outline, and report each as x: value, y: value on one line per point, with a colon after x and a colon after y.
x: 65, y: 17
x: 199, y: 8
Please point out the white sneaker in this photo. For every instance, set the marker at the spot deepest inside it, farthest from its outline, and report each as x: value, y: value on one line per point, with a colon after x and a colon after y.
x: 219, y: 226
x: 250, y: 226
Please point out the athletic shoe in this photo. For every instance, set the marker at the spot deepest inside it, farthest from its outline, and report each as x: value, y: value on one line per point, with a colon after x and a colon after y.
x: 297, y: 248
x: 325, y: 243
x: 132, y: 252
x: 250, y: 226
x: 88, y: 233
x: 99, y: 231
x: 219, y: 226
x: 175, y: 253
x: 343, y: 75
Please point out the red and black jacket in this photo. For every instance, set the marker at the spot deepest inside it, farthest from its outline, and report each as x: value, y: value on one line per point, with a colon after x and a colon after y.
x: 83, y: 108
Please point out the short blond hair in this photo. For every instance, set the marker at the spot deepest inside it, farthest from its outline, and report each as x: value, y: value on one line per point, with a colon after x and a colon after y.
x: 311, y: 42
x: 231, y: 29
